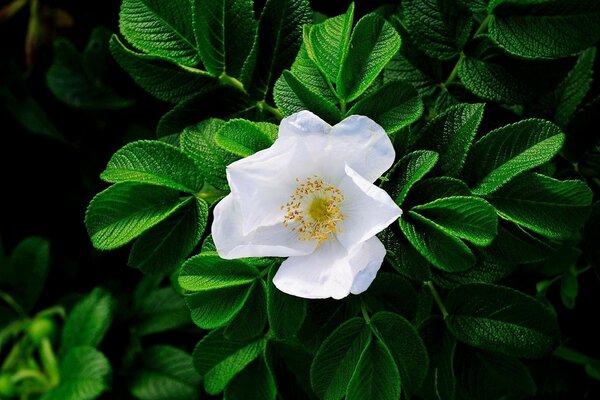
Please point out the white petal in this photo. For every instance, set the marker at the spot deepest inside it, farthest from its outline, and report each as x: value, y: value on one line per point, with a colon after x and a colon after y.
x: 331, y: 271
x: 301, y: 124
x: 267, y: 241
x: 365, y: 146
x: 367, y: 209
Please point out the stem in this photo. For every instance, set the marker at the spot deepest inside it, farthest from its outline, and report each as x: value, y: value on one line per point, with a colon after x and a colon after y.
x: 12, y: 303
x: 365, y: 312
x: 483, y: 26
x: 343, y: 107
x: 273, y: 110
x: 49, y: 362
x: 194, y: 71
x: 231, y: 81
x: 210, y: 193
x: 454, y: 72
x: 437, y: 299
x: 30, y: 374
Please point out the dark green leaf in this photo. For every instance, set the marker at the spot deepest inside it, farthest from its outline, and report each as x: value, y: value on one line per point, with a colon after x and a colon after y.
x: 254, y: 382
x: 431, y: 189
x: 484, y: 271
x: 403, y: 257
x: 250, y: 321
x: 376, y: 375
x: 26, y: 270
x: 159, y: 311
x: 515, y: 245
x: 286, y: 313
x: 409, y: 170
x: 391, y: 292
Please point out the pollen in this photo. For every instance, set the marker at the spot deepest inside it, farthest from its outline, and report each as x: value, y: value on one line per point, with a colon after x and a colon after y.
x: 314, y: 210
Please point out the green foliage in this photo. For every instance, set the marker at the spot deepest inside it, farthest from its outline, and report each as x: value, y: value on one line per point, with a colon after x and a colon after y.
x: 376, y: 376
x: 254, y: 382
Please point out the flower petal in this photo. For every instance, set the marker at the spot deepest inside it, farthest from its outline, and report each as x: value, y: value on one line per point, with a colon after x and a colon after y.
x: 331, y: 271
x: 266, y: 241
x: 302, y: 123
x: 367, y: 209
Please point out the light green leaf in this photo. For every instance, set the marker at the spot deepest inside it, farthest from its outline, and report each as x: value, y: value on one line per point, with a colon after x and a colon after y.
x: 450, y: 134
x: 277, y: 42
x: 166, y: 373
x: 224, y: 31
x: 286, y: 313
x: 219, y: 360
x: 501, y: 319
x: 329, y: 43
x: 337, y: 359
x: 88, y: 321
x: 84, y: 375
x: 376, y: 375
x: 124, y: 211
x: 545, y: 28
x: 155, y: 163
x: 244, y: 138
x: 254, y: 382
x: 162, y: 29
x: 164, y: 247
x: 374, y: 42
x: 466, y: 217
x: 160, y: 78
x: 161, y: 310
x: 250, y: 321
x: 409, y: 170
x: 443, y: 250
x: 510, y: 150
x: 393, y: 106
x: 26, y: 270
x: 550, y: 207
x: 405, y: 346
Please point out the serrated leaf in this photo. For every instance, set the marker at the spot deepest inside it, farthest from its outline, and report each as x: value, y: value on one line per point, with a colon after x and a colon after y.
x: 162, y: 29
x: 484, y: 271
x: 219, y: 360
x: 393, y: 106
x: 243, y: 138
x: 277, y: 41
x: 224, y: 30
x: 376, y: 375
x: 160, y: 310
x: 545, y: 28
x: 514, y: 245
x: 291, y: 96
x: 405, y: 346
x: 550, y: 207
x: 431, y: 189
x: 501, y: 319
x: 84, y: 375
x: 286, y: 313
x: 443, y: 250
x: 374, y: 42
x: 164, y: 247
x: 451, y: 134
x: 250, y: 321
x: 391, y: 292
x: 439, y: 27
x: 162, y: 79
x: 403, y: 257
x: 309, y: 74
x: 155, y: 163
x: 409, y: 170
x: 26, y: 270
x: 337, y: 358
x: 440, y: 383
x: 330, y: 41
x: 125, y: 210
x: 88, y: 321
x: 466, y: 217
x: 254, y: 382
x: 510, y: 150
x: 401, y: 68
x: 166, y: 373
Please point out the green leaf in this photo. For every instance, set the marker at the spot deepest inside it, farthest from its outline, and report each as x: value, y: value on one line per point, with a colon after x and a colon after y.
x: 160, y: 78
x: 574, y: 87
x: 391, y: 292
x: 250, y: 321
x: 440, y: 383
x: 26, y: 270
x: 199, y: 142
x: 291, y: 96
x: 431, y: 189
x: 88, y: 321
x: 405, y: 346
x: 224, y: 31
x: 309, y: 74
x: 439, y: 27
x: 401, y: 68
x: 403, y: 257
x: 166, y: 373
x: 466, y: 217
x: 219, y: 360
x: 165, y: 246
x: 450, y: 134
x: 277, y: 42
x: 443, y: 250
x: 515, y: 245
x: 254, y: 382
x: 337, y: 359
x: 162, y: 29
x: 244, y: 138
x: 160, y: 310
x: 409, y: 170
x: 374, y: 42
x: 550, y: 207
x: 84, y: 375
x: 124, y: 211
x: 155, y: 163
x: 545, y: 28
x: 569, y: 288
x: 329, y: 43
x: 484, y: 271
x: 286, y: 313
x: 501, y: 319
x: 510, y: 150
x: 376, y: 375
x: 393, y: 106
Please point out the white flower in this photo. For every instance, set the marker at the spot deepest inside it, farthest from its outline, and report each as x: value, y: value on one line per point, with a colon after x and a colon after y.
x: 310, y: 197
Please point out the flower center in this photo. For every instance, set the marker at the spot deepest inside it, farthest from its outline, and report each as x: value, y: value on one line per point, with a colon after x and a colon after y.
x: 314, y: 210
